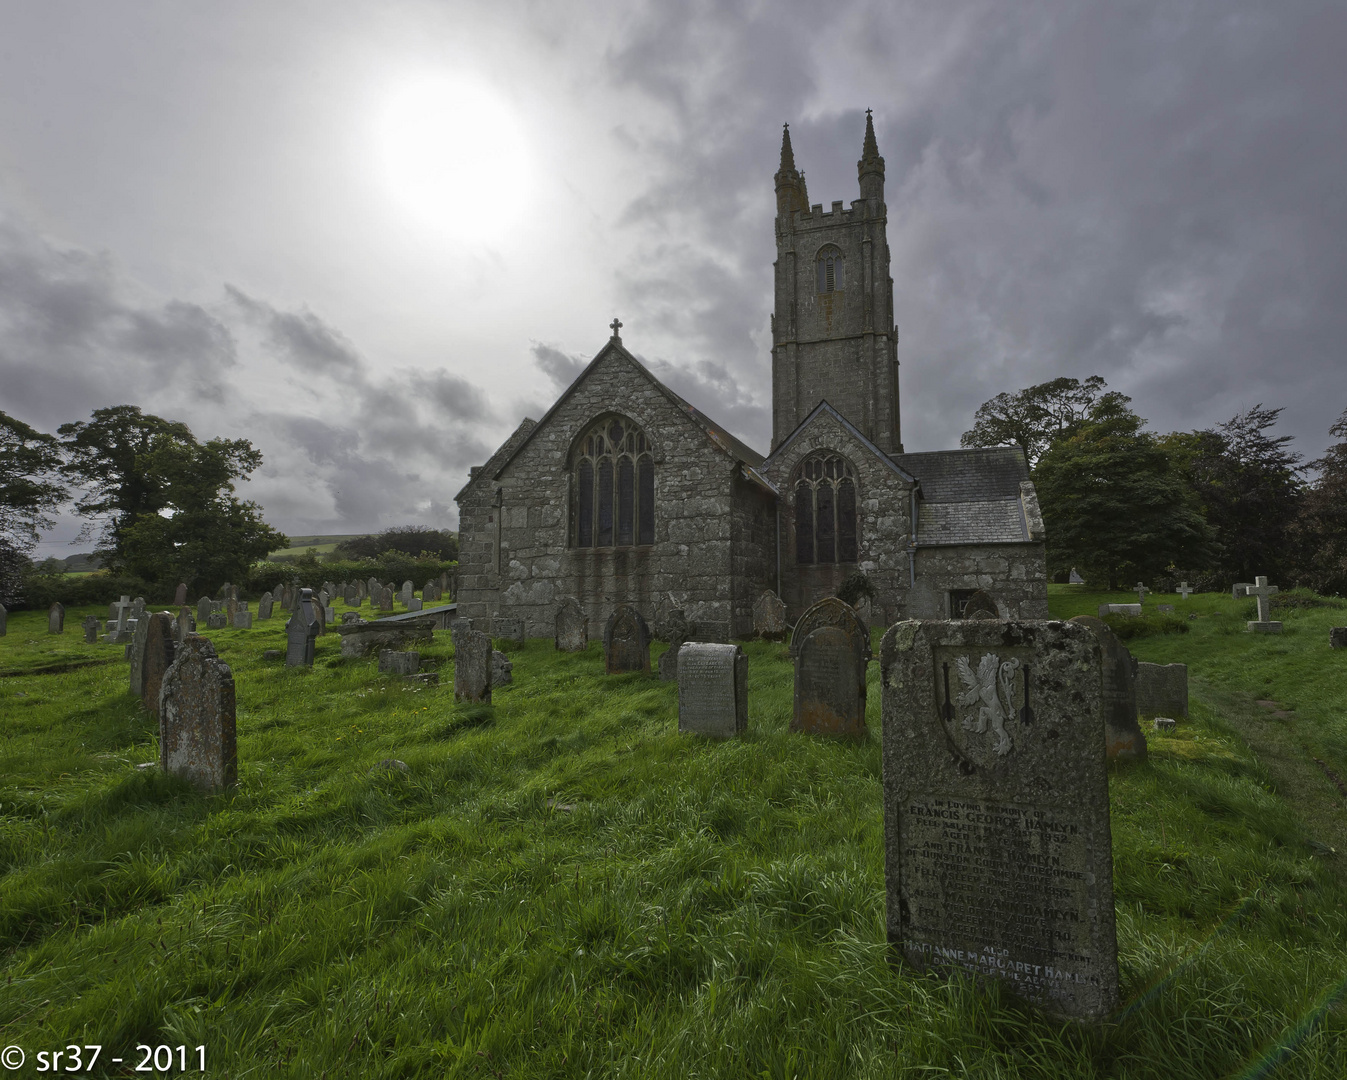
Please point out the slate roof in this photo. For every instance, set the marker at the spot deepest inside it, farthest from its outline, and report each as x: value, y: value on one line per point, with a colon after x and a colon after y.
x: 970, y: 496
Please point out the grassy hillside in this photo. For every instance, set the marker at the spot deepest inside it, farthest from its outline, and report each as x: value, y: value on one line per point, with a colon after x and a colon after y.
x: 561, y: 885
x: 318, y: 545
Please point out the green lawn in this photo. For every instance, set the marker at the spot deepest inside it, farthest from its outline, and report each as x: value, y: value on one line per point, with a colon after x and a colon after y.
x: 561, y: 885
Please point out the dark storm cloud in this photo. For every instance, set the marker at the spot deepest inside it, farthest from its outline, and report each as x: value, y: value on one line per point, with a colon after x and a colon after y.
x: 1153, y: 193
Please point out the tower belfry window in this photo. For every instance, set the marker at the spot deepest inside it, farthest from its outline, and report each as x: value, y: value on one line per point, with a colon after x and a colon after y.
x: 613, y: 478
x: 830, y: 265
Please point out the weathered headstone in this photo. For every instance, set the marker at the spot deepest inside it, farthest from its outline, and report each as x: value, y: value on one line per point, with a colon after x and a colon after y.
x: 56, y: 618
x: 769, y: 616
x: 626, y: 642
x: 676, y: 630
x: 324, y: 598
x: 1074, y: 578
x: 712, y: 689
x: 430, y: 592
x: 572, y: 626
x: 351, y: 596
x: 980, y: 606
x: 1237, y: 590
x: 472, y: 665
x: 196, y: 717
x: 136, y: 654
x: 157, y: 656
x: 4, y: 620
x: 1337, y: 635
x: 502, y: 669
x: 1184, y: 590
x: 217, y: 620
x: 243, y: 620
x: 414, y: 604
x: 90, y: 627
x: 1162, y: 689
x: 1122, y: 734
x: 444, y: 579
x: 180, y: 597
x: 301, y: 631
x: 385, y: 599
x: 264, y: 606
x: 831, y: 647
x: 998, y: 851
x: 399, y: 663
x: 406, y: 592
x: 1131, y: 610
x: 507, y: 628
x: 223, y: 592
x: 231, y: 608
x: 183, y: 625
x: 1262, y: 592
x: 204, y: 607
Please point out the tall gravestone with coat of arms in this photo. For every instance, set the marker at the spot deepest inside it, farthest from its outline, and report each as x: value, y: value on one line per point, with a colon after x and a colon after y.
x: 831, y: 648
x: 998, y: 850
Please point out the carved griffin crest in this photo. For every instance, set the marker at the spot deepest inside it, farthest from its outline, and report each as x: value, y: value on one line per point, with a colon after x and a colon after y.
x: 989, y: 691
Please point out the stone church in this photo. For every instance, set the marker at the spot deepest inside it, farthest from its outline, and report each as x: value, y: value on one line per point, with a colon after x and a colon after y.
x: 625, y: 493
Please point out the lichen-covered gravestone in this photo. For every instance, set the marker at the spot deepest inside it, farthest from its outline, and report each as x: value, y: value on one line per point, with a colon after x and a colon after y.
x: 56, y: 618
x: 998, y: 851
x: 1162, y: 690
x: 385, y: 599
x: 502, y: 669
x: 626, y: 642
x: 392, y: 662
x: 90, y: 627
x: 769, y: 616
x: 677, y: 629
x: 264, y: 606
x: 831, y: 647
x: 472, y: 665
x: 217, y: 620
x: 1122, y: 734
x: 301, y: 631
x: 572, y: 626
x: 160, y: 649
x: 196, y: 717
x: 712, y: 690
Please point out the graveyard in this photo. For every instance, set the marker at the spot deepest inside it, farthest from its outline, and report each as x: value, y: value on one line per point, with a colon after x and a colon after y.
x: 619, y: 874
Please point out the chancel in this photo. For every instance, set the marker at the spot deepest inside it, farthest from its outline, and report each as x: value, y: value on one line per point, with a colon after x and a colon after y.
x: 624, y: 493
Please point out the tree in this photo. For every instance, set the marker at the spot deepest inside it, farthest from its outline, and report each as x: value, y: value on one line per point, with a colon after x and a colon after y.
x: 167, y: 500
x: 1113, y: 504
x: 1033, y: 419
x: 413, y: 540
x: 1248, y: 487
x: 30, y: 489
x: 1320, y: 531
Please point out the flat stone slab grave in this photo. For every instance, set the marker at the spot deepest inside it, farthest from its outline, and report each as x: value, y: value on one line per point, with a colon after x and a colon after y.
x: 997, y: 848
x: 712, y: 690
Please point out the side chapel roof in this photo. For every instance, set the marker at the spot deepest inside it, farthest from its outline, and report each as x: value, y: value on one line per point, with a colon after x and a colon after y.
x: 979, y: 496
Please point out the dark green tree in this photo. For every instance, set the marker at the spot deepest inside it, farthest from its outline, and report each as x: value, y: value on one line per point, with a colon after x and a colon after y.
x: 413, y: 540
x: 1113, y: 504
x: 1319, y: 533
x: 30, y: 483
x: 1034, y: 418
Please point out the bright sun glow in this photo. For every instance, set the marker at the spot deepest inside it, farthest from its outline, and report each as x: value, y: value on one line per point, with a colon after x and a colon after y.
x: 453, y: 154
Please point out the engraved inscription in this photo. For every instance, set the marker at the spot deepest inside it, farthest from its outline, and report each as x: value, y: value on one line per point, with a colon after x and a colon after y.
x: 706, y: 685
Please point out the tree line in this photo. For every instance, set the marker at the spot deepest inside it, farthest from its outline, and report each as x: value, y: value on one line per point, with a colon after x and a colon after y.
x: 1214, y: 506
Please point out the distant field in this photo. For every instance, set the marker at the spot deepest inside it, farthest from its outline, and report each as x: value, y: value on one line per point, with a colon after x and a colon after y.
x: 318, y: 545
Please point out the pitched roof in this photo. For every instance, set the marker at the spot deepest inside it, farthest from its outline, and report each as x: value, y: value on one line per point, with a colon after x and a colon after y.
x: 824, y: 409
x: 973, y: 496
x: 715, y: 433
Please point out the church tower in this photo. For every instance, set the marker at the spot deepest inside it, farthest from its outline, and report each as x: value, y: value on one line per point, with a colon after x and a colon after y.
x: 833, y: 334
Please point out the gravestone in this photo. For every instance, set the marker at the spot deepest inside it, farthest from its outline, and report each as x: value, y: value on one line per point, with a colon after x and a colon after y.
x: 243, y: 620
x: 712, y: 689
x: 1165, y: 609
x: 217, y: 620
x: 1162, y: 689
x: 1131, y: 610
x: 161, y: 647
x: 1337, y: 635
x: 405, y: 595
x: 414, y: 604
x: 324, y: 598
x: 1184, y: 590
x: 677, y: 630
x: 1141, y: 593
x: 444, y: 579
x: 231, y: 608
x: 90, y: 627
x: 980, y: 606
x: 1122, y: 734
x: 264, y: 606
x: 399, y: 663
x: 626, y: 642
x: 56, y: 618
x: 769, y: 617
x: 502, y: 669
x: 430, y: 592
x: 831, y: 648
x: 1164, y: 723
x: 286, y: 593
x: 204, y: 607
x: 180, y: 597
x: 375, y: 588
x: 136, y: 654
x: 301, y: 631
x: 998, y: 850
x: 351, y: 596
x: 1237, y: 590
x: 385, y: 599
x: 1074, y: 578
x: 507, y: 629
x: 472, y: 665
x: 1262, y: 592
x: 120, y: 612
x: 223, y: 592
x: 572, y: 626
x: 196, y: 717
x: 360, y: 638
x: 183, y: 625
x: 4, y: 620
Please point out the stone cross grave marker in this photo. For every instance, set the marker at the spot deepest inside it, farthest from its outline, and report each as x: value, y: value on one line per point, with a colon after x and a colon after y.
x: 119, y: 611
x: 1141, y: 593
x: 1162, y: 689
x: 769, y: 616
x: 831, y: 647
x: 997, y: 846
x: 572, y: 626
x: 1184, y: 589
x: 626, y: 642
x: 197, y: 738
x: 472, y: 665
x: 1262, y: 591
x: 180, y: 597
x: 676, y: 630
x: 1122, y: 734
x: 90, y: 627
x: 56, y: 618
x: 301, y: 631
x: 157, y: 655
x: 712, y: 690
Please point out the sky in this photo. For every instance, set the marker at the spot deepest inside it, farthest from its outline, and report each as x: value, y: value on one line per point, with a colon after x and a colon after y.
x: 371, y: 237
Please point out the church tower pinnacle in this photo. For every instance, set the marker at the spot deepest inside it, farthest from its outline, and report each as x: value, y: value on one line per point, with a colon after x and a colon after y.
x: 833, y: 334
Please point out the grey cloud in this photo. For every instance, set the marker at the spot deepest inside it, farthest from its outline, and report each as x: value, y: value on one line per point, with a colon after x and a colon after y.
x: 455, y: 396
x: 301, y: 338
x: 562, y: 368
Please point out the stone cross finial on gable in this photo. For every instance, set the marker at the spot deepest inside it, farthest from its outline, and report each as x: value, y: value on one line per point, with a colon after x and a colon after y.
x: 1141, y: 593
x: 616, y: 325
x: 1184, y: 589
x: 1263, y: 592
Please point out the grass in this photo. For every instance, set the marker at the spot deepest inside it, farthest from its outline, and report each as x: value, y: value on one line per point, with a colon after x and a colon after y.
x: 560, y: 885
x: 317, y: 545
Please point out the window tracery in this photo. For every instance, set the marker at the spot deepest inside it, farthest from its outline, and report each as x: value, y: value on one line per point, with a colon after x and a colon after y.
x: 825, y: 510
x: 830, y: 264
x: 614, y: 476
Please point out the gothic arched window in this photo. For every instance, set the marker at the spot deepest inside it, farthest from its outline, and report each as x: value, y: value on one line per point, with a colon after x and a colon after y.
x: 614, y: 476
x: 825, y: 510
x: 830, y: 263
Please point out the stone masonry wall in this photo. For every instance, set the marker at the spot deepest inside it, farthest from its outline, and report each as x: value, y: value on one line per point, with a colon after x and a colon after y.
x: 1014, y: 575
